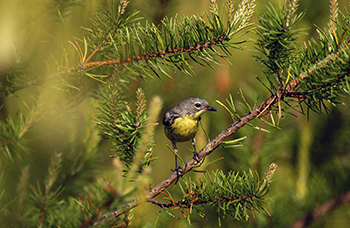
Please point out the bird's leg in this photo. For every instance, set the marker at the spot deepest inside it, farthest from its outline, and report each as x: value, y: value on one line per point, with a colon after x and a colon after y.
x: 177, y: 169
x: 195, y: 154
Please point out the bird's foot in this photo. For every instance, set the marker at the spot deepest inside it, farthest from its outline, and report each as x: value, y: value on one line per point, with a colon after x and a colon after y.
x: 196, y: 157
x: 178, y: 171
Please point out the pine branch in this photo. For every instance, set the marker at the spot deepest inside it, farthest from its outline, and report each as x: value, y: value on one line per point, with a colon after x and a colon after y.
x: 230, y: 194
x: 292, y: 89
x: 188, y: 204
x: 292, y: 86
x: 12, y: 132
x: 125, y: 127
x: 288, y: 90
x: 322, y: 210
x: 22, y: 193
x: 121, y: 10
x: 205, y: 151
x: 149, y: 50
x: 316, y: 80
x: 333, y: 13
x: 47, y: 200
x: 292, y: 7
x: 276, y: 37
x: 247, y: 8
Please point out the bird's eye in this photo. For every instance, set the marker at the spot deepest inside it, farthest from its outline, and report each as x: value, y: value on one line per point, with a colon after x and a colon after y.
x: 198, y: 105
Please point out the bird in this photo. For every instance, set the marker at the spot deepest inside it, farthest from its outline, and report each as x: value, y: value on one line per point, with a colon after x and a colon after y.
x: 181, y: 123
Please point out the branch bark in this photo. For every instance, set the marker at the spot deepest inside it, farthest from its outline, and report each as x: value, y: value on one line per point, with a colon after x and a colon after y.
x: 209, y: 148
x: 288, y: 90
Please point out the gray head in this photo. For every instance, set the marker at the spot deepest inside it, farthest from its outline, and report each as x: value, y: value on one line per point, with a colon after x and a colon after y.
x: 194, y: 106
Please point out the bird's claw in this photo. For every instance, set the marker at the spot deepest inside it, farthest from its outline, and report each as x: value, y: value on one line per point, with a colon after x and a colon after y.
x: 178, y: 171
x: 196, y: 157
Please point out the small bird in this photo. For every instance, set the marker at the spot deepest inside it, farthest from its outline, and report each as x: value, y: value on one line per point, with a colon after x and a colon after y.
x: 181, y: 122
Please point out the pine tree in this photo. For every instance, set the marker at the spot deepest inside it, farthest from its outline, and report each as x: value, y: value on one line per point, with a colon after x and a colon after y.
x: 80, y: 149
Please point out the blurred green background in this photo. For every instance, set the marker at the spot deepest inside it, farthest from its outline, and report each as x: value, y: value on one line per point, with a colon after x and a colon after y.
x: 312, y: 153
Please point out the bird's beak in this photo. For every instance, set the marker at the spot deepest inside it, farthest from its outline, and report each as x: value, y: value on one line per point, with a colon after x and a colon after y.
x: 210, y: 109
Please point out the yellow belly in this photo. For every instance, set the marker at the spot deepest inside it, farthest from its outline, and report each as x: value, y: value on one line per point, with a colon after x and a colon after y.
x: 183, y: 129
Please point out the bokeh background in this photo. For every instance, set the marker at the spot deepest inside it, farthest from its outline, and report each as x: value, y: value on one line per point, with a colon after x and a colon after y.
x: 312, y: 152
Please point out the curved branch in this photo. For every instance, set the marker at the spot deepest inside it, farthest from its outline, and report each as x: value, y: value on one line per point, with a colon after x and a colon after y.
x: 212, y: 145
x: 322, y: 210
x: 289, y: 90
x: 209, y: 148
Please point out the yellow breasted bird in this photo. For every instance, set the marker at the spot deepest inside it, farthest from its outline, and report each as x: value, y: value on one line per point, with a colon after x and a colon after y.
x: 181, y: 122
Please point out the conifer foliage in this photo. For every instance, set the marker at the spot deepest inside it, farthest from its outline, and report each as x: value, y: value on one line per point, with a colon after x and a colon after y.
x: 118, y: 46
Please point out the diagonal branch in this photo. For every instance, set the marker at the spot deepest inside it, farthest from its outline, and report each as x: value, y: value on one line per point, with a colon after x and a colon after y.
x: 212, y: 145
x: 291, y: 87
x: 322, y: 210
x: 289, y: 90
x: 209, y: 148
